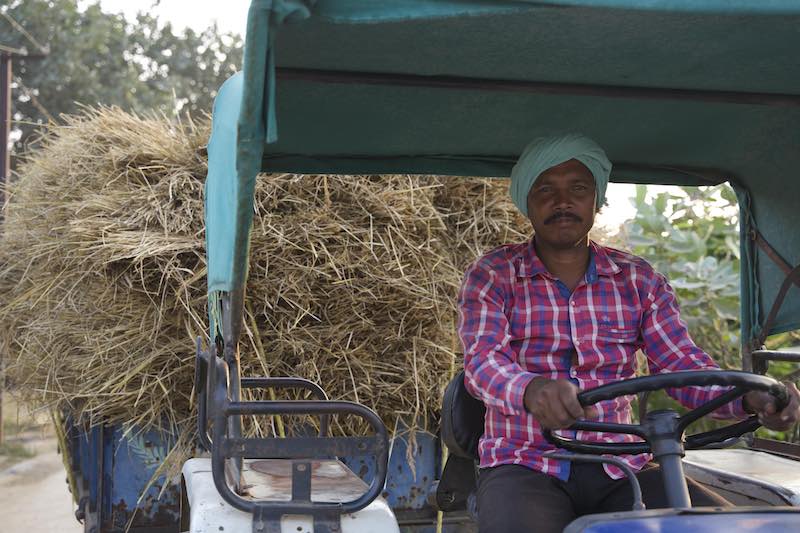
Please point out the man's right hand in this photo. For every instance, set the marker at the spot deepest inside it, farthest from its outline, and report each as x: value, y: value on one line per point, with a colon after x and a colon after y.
x: 554, y: 403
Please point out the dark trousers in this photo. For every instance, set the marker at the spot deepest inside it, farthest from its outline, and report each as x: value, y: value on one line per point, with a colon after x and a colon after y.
x: 516, y: 499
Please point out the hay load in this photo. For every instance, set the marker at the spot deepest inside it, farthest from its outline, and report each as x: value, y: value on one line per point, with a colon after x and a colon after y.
x: 353, y: 279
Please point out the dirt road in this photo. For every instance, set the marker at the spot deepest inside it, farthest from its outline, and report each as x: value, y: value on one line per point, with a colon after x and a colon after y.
x: 34, y: 496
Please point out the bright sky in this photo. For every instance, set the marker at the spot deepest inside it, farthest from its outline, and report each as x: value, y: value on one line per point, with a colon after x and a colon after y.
x: 619, y: 208
x: 231, y: 15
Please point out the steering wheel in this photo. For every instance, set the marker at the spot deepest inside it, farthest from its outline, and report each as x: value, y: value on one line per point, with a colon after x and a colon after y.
x: 663, y: 430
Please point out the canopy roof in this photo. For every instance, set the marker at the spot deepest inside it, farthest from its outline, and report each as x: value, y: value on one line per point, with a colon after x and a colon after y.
x: 677, y: 91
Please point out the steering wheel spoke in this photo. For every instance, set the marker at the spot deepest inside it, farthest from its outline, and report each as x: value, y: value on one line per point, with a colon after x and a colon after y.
x: 667, y: 432
x: 709, y: 407
x: 693, y: 442
x: 662, y: 430
x: 598, y: 448
x: 608, y: 427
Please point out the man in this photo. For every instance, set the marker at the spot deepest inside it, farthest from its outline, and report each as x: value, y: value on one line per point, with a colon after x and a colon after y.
x: 542, y: 320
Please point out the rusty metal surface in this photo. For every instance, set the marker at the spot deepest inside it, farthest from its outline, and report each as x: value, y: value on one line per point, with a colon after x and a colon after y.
x: 113, y: 470
x: 151, y: 515
x: 789, y: 449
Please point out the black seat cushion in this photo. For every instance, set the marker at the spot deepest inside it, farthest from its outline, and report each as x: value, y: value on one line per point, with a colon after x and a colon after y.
x: 462, y: 419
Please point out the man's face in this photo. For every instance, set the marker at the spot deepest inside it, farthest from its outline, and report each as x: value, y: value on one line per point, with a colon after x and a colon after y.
x: 561, y: 204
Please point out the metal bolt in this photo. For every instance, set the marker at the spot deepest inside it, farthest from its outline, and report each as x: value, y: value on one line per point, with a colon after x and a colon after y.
x: 301, y: 468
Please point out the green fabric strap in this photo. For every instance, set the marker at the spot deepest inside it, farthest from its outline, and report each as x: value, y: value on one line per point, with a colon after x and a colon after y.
x: 257, y: 123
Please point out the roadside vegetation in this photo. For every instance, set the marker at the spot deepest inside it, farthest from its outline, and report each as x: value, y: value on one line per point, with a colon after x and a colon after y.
x: 691, y: 235
x: 21, y: 431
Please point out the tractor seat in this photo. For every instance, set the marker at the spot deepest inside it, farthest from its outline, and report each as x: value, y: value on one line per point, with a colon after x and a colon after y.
x: 462, y: 419
x: 461, y: 430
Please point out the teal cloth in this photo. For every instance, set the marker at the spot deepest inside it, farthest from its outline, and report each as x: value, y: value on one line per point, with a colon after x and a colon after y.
x: 716, y: 48
x: 546, y: 152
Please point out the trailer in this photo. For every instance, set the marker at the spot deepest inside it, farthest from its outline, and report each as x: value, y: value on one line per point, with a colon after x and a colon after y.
x: 689, y: 92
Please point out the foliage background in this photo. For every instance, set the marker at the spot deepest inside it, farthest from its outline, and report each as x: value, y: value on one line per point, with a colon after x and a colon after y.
x: 99, y: 58
x: 691, y: 235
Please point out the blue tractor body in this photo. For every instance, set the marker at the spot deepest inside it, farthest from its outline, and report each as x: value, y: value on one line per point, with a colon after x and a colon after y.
x: 113, y: 468
x: 112, y: 471
x: 704, y: 521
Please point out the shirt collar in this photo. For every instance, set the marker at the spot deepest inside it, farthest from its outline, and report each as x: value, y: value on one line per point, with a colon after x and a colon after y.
x: 605, y: 265
x: 600, y: 264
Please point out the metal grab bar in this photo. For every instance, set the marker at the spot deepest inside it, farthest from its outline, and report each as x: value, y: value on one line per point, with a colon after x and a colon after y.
x: 215, y: 403
x: 202, y: 384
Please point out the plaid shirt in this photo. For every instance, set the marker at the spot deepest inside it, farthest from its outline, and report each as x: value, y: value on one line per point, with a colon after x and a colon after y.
x: 517, y: 321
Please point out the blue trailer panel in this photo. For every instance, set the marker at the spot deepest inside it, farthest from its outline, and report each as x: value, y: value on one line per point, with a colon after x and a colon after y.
x: 112, y: 469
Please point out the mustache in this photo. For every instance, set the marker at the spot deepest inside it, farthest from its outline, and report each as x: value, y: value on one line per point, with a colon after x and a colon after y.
x: 562, y: 214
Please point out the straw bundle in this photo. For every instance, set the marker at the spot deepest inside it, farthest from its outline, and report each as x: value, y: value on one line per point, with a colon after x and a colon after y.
x: 352, y: 281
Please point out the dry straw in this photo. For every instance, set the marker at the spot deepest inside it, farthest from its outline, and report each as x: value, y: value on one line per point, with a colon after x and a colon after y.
x: 353, y: 279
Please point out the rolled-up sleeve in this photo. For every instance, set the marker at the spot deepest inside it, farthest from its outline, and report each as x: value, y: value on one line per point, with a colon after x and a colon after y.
x: 492, y: 373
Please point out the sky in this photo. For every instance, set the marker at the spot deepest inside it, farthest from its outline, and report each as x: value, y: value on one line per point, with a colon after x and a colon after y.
x: 231, y: 16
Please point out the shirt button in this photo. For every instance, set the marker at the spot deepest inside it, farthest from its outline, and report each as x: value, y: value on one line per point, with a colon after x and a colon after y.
x: 577, y: 342
x: 572, y: 303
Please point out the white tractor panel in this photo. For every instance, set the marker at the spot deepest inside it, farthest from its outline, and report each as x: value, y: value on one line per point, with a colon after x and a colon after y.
x: 755, y: 474
x: 270, y: 479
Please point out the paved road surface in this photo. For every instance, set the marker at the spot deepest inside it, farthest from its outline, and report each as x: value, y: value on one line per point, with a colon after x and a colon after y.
x: 34, y: 496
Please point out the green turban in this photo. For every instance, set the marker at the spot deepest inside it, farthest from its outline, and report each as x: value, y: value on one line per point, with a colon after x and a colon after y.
x: 547, y: 152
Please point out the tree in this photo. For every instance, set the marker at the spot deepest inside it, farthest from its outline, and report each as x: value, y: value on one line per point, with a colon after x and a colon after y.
x: 192, y: 64
x: 693, y: 238
x: 98, y: 58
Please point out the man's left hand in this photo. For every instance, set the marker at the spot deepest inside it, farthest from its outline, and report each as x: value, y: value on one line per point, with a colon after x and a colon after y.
x: 763, y: 404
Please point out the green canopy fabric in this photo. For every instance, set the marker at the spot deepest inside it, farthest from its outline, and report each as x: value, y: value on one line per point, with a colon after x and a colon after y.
x: 677, y: 92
